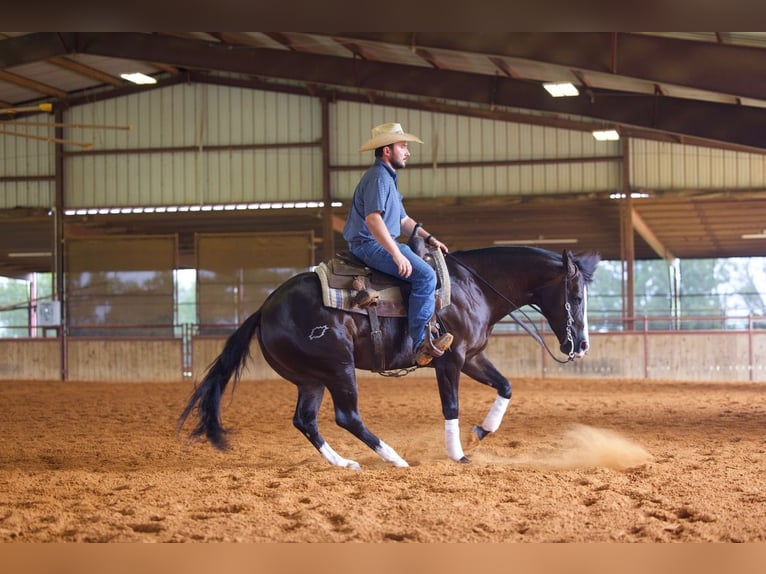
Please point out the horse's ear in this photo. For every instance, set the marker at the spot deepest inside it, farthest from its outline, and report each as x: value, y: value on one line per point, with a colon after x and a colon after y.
x: 569, y: 264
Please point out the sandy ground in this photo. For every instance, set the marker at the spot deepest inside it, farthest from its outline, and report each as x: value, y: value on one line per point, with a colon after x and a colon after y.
x: 574, y: 461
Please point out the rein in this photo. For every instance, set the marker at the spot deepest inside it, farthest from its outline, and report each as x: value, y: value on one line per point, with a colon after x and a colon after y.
x: 535, y: 334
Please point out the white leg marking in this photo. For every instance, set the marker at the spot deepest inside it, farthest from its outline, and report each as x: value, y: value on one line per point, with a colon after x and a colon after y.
x: 390, y: 455
x: 334, y: 458
x: 452, y: 439
x: 495, y: 415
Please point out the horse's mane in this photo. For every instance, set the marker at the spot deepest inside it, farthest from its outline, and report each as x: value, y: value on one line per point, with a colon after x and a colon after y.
x: 586, y: 262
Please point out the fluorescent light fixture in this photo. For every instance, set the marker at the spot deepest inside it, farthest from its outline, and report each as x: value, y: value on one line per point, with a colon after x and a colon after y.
x: 561, y: 89
x: 217, y: 207
x: 633, y: 195
x: 606, y: 135
x: 754, y: 235
x: 535, y: 241
x: 31, y: 254
x: 138, y: 78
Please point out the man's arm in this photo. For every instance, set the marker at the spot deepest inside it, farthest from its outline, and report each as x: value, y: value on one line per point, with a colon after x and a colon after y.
x: 408, y: 225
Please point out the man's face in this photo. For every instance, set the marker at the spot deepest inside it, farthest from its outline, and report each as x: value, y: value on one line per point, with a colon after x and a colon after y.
x: 400, y: 153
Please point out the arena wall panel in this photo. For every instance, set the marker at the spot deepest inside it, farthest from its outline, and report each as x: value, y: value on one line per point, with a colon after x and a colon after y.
x: 709, y: 356
x: 516, y: 355
x: 758, y: 356
x: 698, y: 356
x: 30, y: 360
x: 206, y: 349
x: 139, y: 360
x: 613, y: 355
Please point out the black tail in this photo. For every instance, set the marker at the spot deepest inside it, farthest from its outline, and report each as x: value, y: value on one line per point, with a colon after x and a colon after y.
x: 207, y: 395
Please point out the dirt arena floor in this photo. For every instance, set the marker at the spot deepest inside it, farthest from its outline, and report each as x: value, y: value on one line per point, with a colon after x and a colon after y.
x: 574, y: 461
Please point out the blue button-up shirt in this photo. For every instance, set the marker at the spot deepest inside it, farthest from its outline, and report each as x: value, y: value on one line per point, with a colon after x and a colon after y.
x: 376, y: 191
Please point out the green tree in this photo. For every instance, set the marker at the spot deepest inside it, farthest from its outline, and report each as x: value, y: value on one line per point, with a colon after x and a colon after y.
x: 186, y: 289
x: 14, y: 307
x: 734, y: 287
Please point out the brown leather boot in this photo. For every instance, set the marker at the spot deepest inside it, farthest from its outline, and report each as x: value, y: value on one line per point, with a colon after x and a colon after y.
x: 432, y: 348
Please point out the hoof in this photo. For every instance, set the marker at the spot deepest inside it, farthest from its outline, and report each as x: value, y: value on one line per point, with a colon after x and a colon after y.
x: 464, y: 460
x: 479, y: 432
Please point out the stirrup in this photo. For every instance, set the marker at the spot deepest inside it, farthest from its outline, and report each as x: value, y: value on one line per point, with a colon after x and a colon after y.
x: 432, y: 348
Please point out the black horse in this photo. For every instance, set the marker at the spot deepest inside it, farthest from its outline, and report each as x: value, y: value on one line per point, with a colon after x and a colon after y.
x: 318, y: 348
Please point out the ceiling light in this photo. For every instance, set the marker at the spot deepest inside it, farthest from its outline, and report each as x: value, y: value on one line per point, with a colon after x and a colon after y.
x: 138, y: 78
x: 561, y: 89
x: 754, y: 235
x: 536, y: 241
x: 221, y: 207
x: 633, y: 195
x: 606, y: 135
x: 31, y: 254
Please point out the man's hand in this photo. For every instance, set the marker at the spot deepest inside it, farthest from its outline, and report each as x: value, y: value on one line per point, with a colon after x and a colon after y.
x: 436, y: 243
x: 403, y: 265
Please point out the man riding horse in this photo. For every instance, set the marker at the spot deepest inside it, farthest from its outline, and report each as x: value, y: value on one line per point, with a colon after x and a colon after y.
x: 377, y: 218
x: 319, y: 348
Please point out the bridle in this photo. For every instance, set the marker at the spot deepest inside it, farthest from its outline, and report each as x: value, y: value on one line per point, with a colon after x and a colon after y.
x: 533, y: 332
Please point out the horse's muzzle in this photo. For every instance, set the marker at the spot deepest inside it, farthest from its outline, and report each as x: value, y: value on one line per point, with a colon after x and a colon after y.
x: 580, y: 350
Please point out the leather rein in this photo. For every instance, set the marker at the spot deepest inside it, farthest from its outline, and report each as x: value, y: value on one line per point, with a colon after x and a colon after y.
x: 534, y: 332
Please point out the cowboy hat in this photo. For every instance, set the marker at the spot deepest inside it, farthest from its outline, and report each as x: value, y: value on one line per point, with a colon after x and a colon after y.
x: 386, y: 134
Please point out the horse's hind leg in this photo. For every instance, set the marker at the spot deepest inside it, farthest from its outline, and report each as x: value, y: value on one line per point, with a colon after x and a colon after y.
x: 347, y: 416
x: 305, y: 420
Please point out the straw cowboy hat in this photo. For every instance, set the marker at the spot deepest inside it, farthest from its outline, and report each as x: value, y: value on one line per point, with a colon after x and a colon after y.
x: 386, y: 134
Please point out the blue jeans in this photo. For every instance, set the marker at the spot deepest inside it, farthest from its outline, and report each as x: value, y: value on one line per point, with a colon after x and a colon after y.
x: 420, y: 307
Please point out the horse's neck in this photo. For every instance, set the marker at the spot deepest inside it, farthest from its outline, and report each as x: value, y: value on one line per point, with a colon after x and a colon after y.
x: 508, y: 282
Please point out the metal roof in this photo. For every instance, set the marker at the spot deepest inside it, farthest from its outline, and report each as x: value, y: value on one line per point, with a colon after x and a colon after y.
x: 704, y: 88
x: 681, y: 87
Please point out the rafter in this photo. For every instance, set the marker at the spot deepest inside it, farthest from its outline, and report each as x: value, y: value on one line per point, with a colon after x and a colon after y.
x: 705, y: 120
x: 640, y: 226
x: 33, y: 85
x: 87, y: 71
x: 584, y: 54
x: 711, y: 66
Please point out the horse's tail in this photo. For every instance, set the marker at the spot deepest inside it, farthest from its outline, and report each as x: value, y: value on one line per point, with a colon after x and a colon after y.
x: 206, y: 397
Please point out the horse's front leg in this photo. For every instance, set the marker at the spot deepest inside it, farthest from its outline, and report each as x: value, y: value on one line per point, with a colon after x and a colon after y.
x: 482, y: 370
x: 448, y: 378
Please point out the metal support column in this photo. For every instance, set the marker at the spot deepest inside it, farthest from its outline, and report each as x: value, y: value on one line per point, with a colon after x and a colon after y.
x: 627, y: 244
x: 328, y: 233
x: 58, y: 244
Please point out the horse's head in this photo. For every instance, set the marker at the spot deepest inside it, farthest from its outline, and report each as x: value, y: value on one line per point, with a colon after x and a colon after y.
x: 564, y: 302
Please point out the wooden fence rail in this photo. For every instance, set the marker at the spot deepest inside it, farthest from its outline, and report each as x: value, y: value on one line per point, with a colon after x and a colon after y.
x: 692, y: 355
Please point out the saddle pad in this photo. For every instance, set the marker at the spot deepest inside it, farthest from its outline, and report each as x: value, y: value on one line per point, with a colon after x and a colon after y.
x: 391, y: 303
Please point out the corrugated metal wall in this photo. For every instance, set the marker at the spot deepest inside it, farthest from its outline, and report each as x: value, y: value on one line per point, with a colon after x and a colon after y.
x: 518, y: 159
x: 669, y: 166
x: 224, y: 133
x: 198, y: 144
x: 25, y: 163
